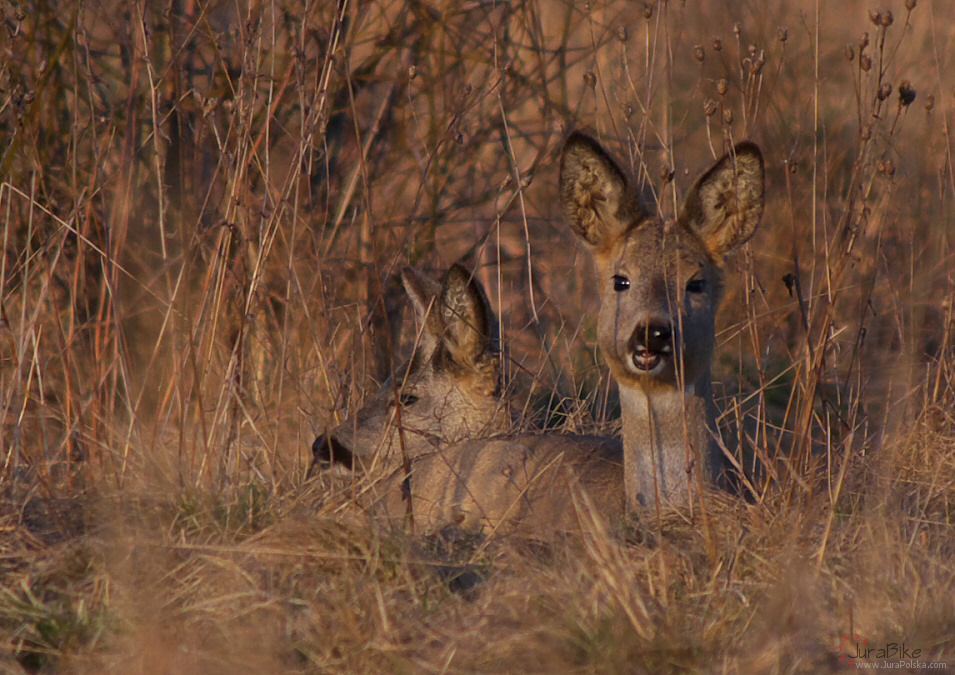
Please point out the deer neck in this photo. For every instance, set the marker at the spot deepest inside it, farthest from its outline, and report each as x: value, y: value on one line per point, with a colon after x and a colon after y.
x: 669, y: 438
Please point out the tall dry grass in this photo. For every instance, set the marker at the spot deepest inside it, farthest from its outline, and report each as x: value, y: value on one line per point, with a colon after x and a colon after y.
x: 203, y: 206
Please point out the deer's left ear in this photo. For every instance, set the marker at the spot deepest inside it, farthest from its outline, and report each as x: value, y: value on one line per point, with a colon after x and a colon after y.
x: 725, y: 204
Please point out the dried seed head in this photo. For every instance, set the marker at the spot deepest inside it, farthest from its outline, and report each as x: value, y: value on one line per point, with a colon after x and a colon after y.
x: 887, y: 18
x: 863, y: 41
x: 929, y: 102
x: 590, y: 79
x: 759, y: 62
x: 622, y: 33
x: 875, y: 18
x: 782, y: 33
x: 699, y: 53
x: 666, y: 174
x: 527, y: 179
x: 910, y: 4
x: 865, y: 62
x: 886, y: 167
x: 208, y: 105
x: 647, y: 10
x: 865, y: 133
x: 850, y: 52
x: 885, y: 90
x: 737, y: 28
x: 709, y: 107
x: 752, y: 49
x: 793, y: 166
x: 722, y: 86
x: 727, y: 116
x: 459, y: 138
x: 717, y: 44
x: 412, y: 71
x: 906, y: 93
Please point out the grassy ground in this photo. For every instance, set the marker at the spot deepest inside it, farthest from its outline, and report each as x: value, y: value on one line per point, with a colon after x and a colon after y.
x: 203, y: 206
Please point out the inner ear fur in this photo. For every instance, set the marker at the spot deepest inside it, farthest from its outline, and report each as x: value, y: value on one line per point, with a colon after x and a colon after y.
x: 725, y: 204
x: 469, y: 330
x: 596, y: 199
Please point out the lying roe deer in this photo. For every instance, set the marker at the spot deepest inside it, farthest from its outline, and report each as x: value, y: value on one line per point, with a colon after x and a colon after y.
x: 660, y: 284
x: 448, y: 391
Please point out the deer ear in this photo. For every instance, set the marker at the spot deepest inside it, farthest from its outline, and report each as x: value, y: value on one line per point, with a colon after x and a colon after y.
x: 424, y: 294
x: 596, y: 201
x: 725, y: 204
x: 469, y: 329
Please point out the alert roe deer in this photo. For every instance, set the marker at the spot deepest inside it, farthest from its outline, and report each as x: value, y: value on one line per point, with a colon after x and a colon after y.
x: 448, y: 391
x: 660, y: 284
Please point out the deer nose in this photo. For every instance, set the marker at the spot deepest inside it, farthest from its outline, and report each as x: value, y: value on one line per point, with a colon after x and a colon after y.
x: 649, y: 343
x: 326, y: 451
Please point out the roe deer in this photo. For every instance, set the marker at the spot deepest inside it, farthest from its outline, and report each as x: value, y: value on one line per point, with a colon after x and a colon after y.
x: 660, y: 284
x: 448, y: 391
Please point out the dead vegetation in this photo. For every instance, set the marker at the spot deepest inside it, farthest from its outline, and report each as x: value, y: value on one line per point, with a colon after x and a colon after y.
x: 204, y: 206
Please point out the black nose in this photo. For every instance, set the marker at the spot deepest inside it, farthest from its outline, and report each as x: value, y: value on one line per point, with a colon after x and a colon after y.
x: 326, y: 450
x: 654, y: 338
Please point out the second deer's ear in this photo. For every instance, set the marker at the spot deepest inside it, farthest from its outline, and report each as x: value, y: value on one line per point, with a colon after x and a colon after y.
x: 725, y: 204
x: 469, y: 331
x: 596, y: 200
x: 425, y: 294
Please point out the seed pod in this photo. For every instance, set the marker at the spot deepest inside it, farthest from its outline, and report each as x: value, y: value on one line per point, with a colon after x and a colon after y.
x: 667, y: 174
x: 737, y: 28
x: 590, y: 79
x: 722, y: 86
x: 647, y: 10
x: 782, y: 33
x: 929, y: 102
x: 699, y: 53
x: 885, y: 90
x: 727, y: 116
x: 910, y: 4
x: 887, y: 18
x: 850, y: 52
x: 906, y: 93
x: 865, y: 62
x: 710, y: 107
x: 717, y: 44
x: 875, y: 18
x: 622, y: 33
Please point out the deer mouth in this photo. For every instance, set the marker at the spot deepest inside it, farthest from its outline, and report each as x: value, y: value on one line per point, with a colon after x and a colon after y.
x: 646, y: 360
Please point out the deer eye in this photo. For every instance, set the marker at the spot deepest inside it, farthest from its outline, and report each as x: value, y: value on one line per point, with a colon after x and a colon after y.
x: 620, y: 283
x: 696, y: 285
x: 407, y: 399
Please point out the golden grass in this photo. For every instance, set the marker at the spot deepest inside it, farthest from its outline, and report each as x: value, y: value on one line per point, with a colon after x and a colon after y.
x: 203, y: 205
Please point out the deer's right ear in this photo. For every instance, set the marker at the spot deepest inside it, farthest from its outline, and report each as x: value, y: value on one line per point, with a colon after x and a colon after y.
x: 596, y: 201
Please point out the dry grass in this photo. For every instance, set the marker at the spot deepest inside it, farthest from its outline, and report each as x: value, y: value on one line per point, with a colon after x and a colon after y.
x: 203, y: 205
